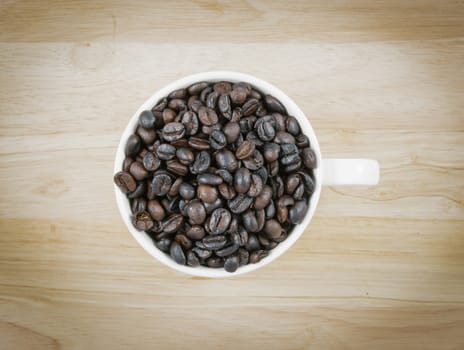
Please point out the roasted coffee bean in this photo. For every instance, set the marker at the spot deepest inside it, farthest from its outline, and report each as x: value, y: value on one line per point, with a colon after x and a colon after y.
x: 186, y: 191
x: 211, y: 206
x: 192, y: 259
x: 183, y: 241
x: 250, y: 106
x: 280, y: 122
x: 138, y: 171
x: 273, y: 229
x: 284, y: 137
x: 254, y: 139
x: 225, y: 106
x: 219, y: 221
x: 261, y: 218
x: 240, y: 237
x: 215, y: 262
x: 177, y: 168
x: 273, y: 168
x: 174, y: 190
x: 207, y: 193
x: 299, y: 192
x: 238, y: 95
x: 161, y: 183
x: 138, y: 204
x: 222, y: 87
x: 164, y: 244
x: 245, y: 150
x: 244, y: 256
x: 133, y: 146
x: 247, y: 124
x: 257, y: 256
x: 226, y: 191
x: 177, y: 254
x: 156, y: 210
x: 201, y: 163
x: 263, y: 198
x: 229, y: 250
x: 126, y: 164
x: 292, y: 126
x: 236, y: 115
x: 179, y: 93
x: 249, y: 221
x: 160, y: 105
x: 263, y: 173
x: 177, y: 104
x: 271, y: 152
x: 173, y: 131
x: 194, y: 103
x: 196, y: 212
x: 266, y: 131
x: 207, y: 116
x: 253, y: 243
x: 173, y: 223
x: 274, y: 105
x: 232, y: 263
x: 209, y: 179
x: 297, y: 212
x: 292, y: 182
x: 214, y: 242
x: 302, y: 141
x: 165, y: 151
x: 202, y: 253
x: 190, y: 122
x: 204, y: 93
x: 151, y: 162
x: 169, y: 116
x: 147, y: 136
x: 147, y: 120
x: 244, y: 85
x: 185, y: 155
x: 217, y: 139
x: 256, y: 185
x: 125, y: 181
x: 195, y: 232
x: 212, y: 100
x: 240, y: 203
x: 307, y: 181
x: 289, y: 154
x: 142, y: 221
x: 277, y: 187
x: 198, y: 143
x: 225, y: 175
x: 270, y: 210
x: 139, y: 191
x: 255, y: 94
x: 242, y: 180
x: 309, y: 158
x: 231, y: 131
x: 255, y: 161
x: 225, y: 159
x: 196, y: 88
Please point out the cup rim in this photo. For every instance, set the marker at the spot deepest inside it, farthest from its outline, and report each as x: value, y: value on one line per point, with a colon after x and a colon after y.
x: 292, y: 108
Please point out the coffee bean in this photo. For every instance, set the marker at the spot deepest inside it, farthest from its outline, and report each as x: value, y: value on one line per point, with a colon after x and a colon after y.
x: 133, y: 146
x: 207, y: 193
x: 231, y: 131
x: 138, y: 204
x: 280, y: 122
x: 169, y: 116
x: 302, y: 141
x: 126, y: 164
x: 185, y: 155
x: 163, y: 244
x: 255, y: 161
x: 177, y: 168
x: 174, y: 190
x: 244, y: 256
x: 207, y: 116
x: 173, y: 223
x: 211, y: 206
x: 186, y: 191
x: 238, y: 95
x: 161, y: 184
x: 214, y: 242
x: 245, y: 150
x: 160, y: 105
x: 195, y: 232
x: 293, y: 181
x: 229, y: 250
x: 177, y: 254
x: 215, y: 262
x: 156, y: 210
x: 196, y: 88
x: 219, y: 221
x: 273, y: 168
x: 270, y: 210
x: 198, y: 143
x: 151, y: 162
x: 247, y: 124
x: 147, y: 120
x: 138, y: 171
x: 173, y: 131
x: 307, y: 181
x: 226, y: 191
x: 194, y: 104
x: 183, y: 241
x: 277, y: 187
x: 263, y: 173
x: 257, y: 256
x: 224, y: 106
x: 255, y: 94
x: 273, y: 229
x: 232, y: 263
x: 217, y: 139
x: 209, y: 179
x: 236, y: 115
x: 166, y: 152
x: 142, y: 221
x: 249, y: 221
x: 201, y: 163
x: 253, y: 243
x: 242, y: 180
x: 240, y: 203
x: 271, y: 152
x: 192, y: 259
x: 263, y: 198
x: 299, y: 192
x: 125, y: 181
x: 240, y: 237
x: 196, y: 212
x: 212, y: 100
x: 250, y: 106
x: 222, y: 87
x: 274, y: 104
x: 202, y: 253
x: 256, y: 186
x: 226, y: 159
x: 147, y: 136
x: 309, y: 158
x: 190, y: 122
x: 265, y: 131
x: 225, y: 175
x: 284, y: 137
x: 297, y: 212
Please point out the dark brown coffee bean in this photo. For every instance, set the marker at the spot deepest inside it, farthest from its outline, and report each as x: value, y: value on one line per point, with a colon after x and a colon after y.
x: 297, y: 213
x: 242, y: 180
x: 263, y: 173
x: 289, y: 154
x: 309, y: 158
x: 126, y: 164
x: 222, y: 87
x: 232, y: 263
x: 186, y: 191
x: 202, y: 253
x: 198, y: 143
x: 161, y: 183
x: 151, y: 162
x: 165, y: 151
x: 138, y: 205
x: 284, y: 137
x: 138, y: 171
x: 211, y: 206
x: 139, y: 191
x: 125, y: 182
x: 250, y: 106
x: 207, y: 116
x: 181, y: 143
x: 271, y: 152
x: 173, y: 131
x: 255, y: 161
x: 204, y: 93
x: 249, y: 221
x: 169, y: 116
x: 229, y: 250
x: 148, y: 136
x: 264, y: 198
x: 177, y: 104
x: 255, y: 94
x: 201, y: 163
x: 302, y: 141
x: 265, y: 131
x: 214, y: 242
x: 226, y: 191
x: 257, y: 256
x: 274, y: 105
x: 231, y: 131
x: 133, y: 146
x: 156, y: 210
x: 270, y: 210
x: 253, y: 243
x: 225, y: 175
x: 194, y: 103
x: 196, y: 212
x: 273, y: 168
x: 307, y: 181
x: 160, y: 105
x: 224, y: 106
x: 209, y: 179
x: 238, y: 95
x: 177, y: 254
x: 245, y: 150
x: 173, y: 223
x: 196, y: 88
x: 244, y: 256
x: 215, y: 262
x: 179, y: 93
x: 292, y: 126
x: 240, y: 203
x: 236, y: 115
x: 219, y: 221
x: 147, y: 120
x: 207, y: 130
x: 207, y: 193
x: 293, y: 181
x: 273, y: 229
x: 192, y: 259
x: 217, y: 139
x: 183, y: 241
x: 174, y: 190
x: 212, y: 100
x: 225, y: 159
x: 196, y: 232
x: 299, y: 192
x: 247, y: 124
x: 254, y: 139
x: 277, y: 187
x: 177, y: 168
x: 142, y: 221
x: 164, y: 244
x: 190, y: 122
x: 185, y: 155
x: 256, y: 186
x: 240, y: 237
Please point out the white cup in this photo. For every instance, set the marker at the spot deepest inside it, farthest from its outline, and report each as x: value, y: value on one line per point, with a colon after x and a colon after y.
x: 328, y: 172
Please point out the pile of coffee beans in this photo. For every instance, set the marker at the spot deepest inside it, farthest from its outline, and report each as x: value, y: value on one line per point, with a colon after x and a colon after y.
x: 217, y: 174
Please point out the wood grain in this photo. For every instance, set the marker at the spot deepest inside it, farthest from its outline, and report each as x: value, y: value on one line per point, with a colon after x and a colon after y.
x: 379, y: 267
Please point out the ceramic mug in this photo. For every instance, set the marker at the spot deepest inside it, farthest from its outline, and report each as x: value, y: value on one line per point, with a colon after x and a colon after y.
x: 328, y: 172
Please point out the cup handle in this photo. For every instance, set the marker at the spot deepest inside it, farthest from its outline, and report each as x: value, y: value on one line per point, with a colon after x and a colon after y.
x: 350, y: 171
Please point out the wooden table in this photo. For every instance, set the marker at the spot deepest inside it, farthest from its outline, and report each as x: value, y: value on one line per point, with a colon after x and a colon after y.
x: 378, y: 268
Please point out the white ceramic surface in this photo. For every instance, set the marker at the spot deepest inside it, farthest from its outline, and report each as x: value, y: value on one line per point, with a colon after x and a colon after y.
x: 330, y: 171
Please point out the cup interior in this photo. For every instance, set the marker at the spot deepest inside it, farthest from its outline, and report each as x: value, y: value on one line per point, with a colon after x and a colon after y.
x: 123, y: 203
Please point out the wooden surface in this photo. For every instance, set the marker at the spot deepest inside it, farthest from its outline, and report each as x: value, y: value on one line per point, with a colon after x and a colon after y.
x: 378, y: 268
